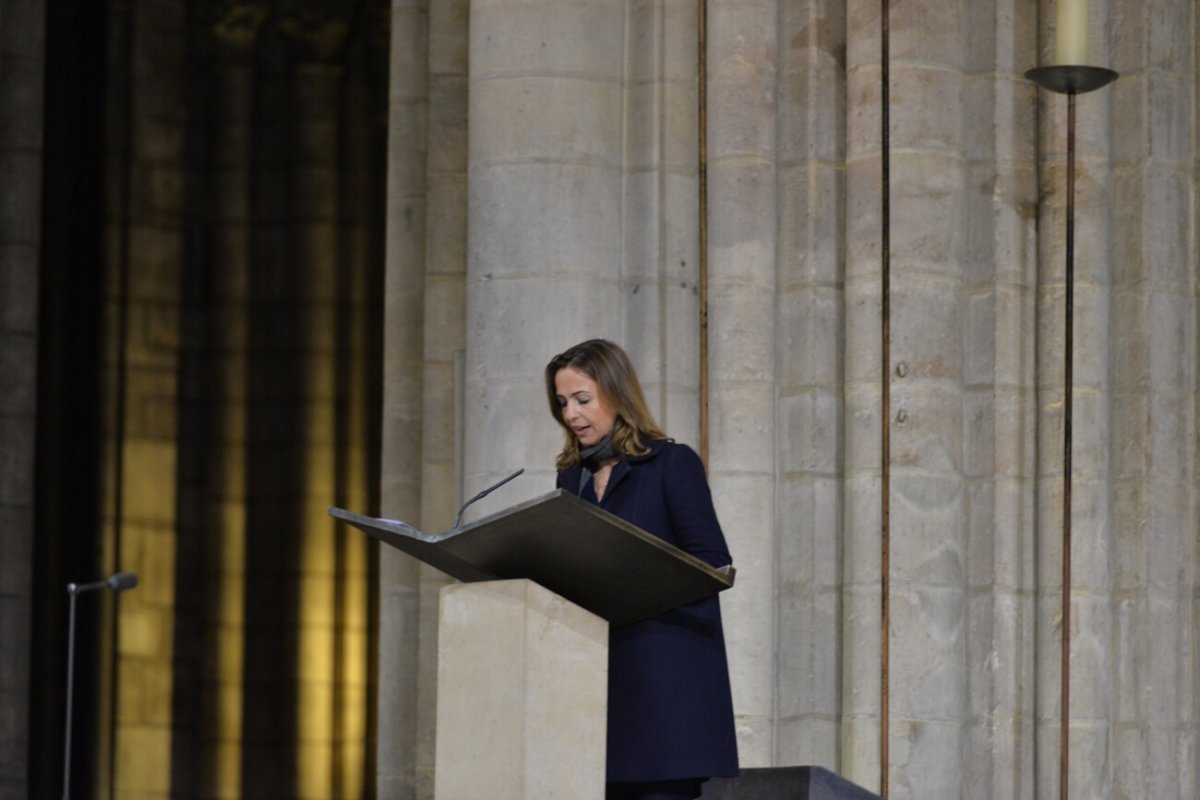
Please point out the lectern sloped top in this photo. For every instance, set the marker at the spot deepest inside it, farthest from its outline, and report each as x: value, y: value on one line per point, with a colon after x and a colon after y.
x: 570, y: 546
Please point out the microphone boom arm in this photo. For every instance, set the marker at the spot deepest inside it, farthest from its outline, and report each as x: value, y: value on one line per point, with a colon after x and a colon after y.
x: 483, y: 494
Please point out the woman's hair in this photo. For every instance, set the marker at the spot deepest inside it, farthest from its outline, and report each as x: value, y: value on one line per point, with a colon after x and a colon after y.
x: 609, y: 366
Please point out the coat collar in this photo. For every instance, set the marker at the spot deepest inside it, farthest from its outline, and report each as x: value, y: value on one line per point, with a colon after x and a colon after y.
x: 622, y: 468
x: 654, y: 446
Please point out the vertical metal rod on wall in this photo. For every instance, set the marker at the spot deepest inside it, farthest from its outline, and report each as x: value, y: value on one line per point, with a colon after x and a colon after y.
x: 885, y: 414
x: 702, y: 212
x: 1068, y: 402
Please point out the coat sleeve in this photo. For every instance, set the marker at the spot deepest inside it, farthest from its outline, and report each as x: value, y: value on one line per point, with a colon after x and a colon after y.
x: 690, y: 508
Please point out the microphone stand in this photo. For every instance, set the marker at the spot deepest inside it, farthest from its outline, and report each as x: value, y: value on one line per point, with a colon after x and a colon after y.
x: 117, y: 582
x: 483, y: 494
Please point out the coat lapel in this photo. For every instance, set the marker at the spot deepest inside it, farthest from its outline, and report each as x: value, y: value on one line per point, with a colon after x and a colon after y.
x: 619, y: 471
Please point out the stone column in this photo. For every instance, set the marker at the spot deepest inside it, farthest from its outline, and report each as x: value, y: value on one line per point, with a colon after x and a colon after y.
x: 444, y: 335
x: 808, y: 346
x: 999, y: 415
x: 743, y: 65
x: 1145, y: 218
x: 142, y: 359
x: 22, y: 43
x: 861, y: 445
x: 544, y: 221
x: 216, y: 519
x: 660, y: 269
x: 330, y: 559
x: 581, y: 147
x: 400, y: 649
x: 930, y: 438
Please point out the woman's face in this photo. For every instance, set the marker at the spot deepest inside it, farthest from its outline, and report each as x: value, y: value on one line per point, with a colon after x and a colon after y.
x: 583, y: 408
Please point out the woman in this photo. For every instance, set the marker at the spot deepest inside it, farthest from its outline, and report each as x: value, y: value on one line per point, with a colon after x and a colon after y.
x: 670, y: 714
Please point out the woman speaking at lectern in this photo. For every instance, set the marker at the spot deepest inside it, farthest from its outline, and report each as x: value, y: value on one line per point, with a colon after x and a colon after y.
x: 670, y: 713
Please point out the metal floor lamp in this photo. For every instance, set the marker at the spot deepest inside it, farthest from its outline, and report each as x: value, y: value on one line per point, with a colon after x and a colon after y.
x: 117, y: 582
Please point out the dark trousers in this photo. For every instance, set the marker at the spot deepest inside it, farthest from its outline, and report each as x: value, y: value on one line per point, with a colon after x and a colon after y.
x: 686, y: 789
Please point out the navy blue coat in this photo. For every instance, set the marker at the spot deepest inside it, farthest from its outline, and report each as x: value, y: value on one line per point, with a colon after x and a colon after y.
x: 670, y: 712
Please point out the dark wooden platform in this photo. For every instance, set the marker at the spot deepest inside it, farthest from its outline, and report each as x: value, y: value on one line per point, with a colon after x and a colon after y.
x: 785, y: 783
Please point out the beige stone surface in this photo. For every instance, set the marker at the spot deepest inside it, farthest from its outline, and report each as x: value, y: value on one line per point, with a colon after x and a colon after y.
x: 595, y: 233
x: 522, y: 695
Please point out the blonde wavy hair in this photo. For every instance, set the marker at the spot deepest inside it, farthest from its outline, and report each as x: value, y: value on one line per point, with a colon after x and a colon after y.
x: 609, y: 366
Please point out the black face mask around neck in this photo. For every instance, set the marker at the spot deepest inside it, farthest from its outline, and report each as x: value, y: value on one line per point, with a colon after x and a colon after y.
x: 595, y: 455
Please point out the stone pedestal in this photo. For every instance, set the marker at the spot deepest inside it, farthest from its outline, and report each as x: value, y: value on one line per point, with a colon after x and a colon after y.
x: 522, y: 695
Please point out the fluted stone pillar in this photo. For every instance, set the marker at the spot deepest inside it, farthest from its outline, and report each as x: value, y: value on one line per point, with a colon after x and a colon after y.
x: 960, y: 493
x: 660, y: 258
x: 544, y: 220
x: 580, y: 198
x: 565, y: 225
x: 330, y: 735
x: 1134, y: 701
x: 167, y: 702
x: 743, y: 56
x: 861, y: 479
x: 930, y: 440
x: 1152, y: 209
x: 998, y: 308
x: 141, y: 370
x: 22, y: 50
x: 810, y: 318
x: 444, y: 334
x: 577, y: 225
x: 221, y: 516
x: 400, y: 644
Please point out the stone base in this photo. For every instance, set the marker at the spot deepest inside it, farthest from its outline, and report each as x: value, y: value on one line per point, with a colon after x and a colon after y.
x: 522, y: 695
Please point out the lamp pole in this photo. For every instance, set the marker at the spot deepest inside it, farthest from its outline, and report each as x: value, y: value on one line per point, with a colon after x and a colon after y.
x: 1069, y: 80
x: 117, y: 582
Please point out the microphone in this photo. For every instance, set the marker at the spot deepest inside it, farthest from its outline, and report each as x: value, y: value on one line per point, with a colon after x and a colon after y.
x: 483, y: 494
x: 118, y: 582
x: 121, y: 581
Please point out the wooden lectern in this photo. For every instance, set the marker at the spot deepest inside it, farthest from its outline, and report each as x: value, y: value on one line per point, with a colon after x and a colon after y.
x: 523, y: 642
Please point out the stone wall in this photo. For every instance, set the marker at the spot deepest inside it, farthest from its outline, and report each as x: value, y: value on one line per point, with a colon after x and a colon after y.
x: 22, y: 41
x: 579, y: 186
